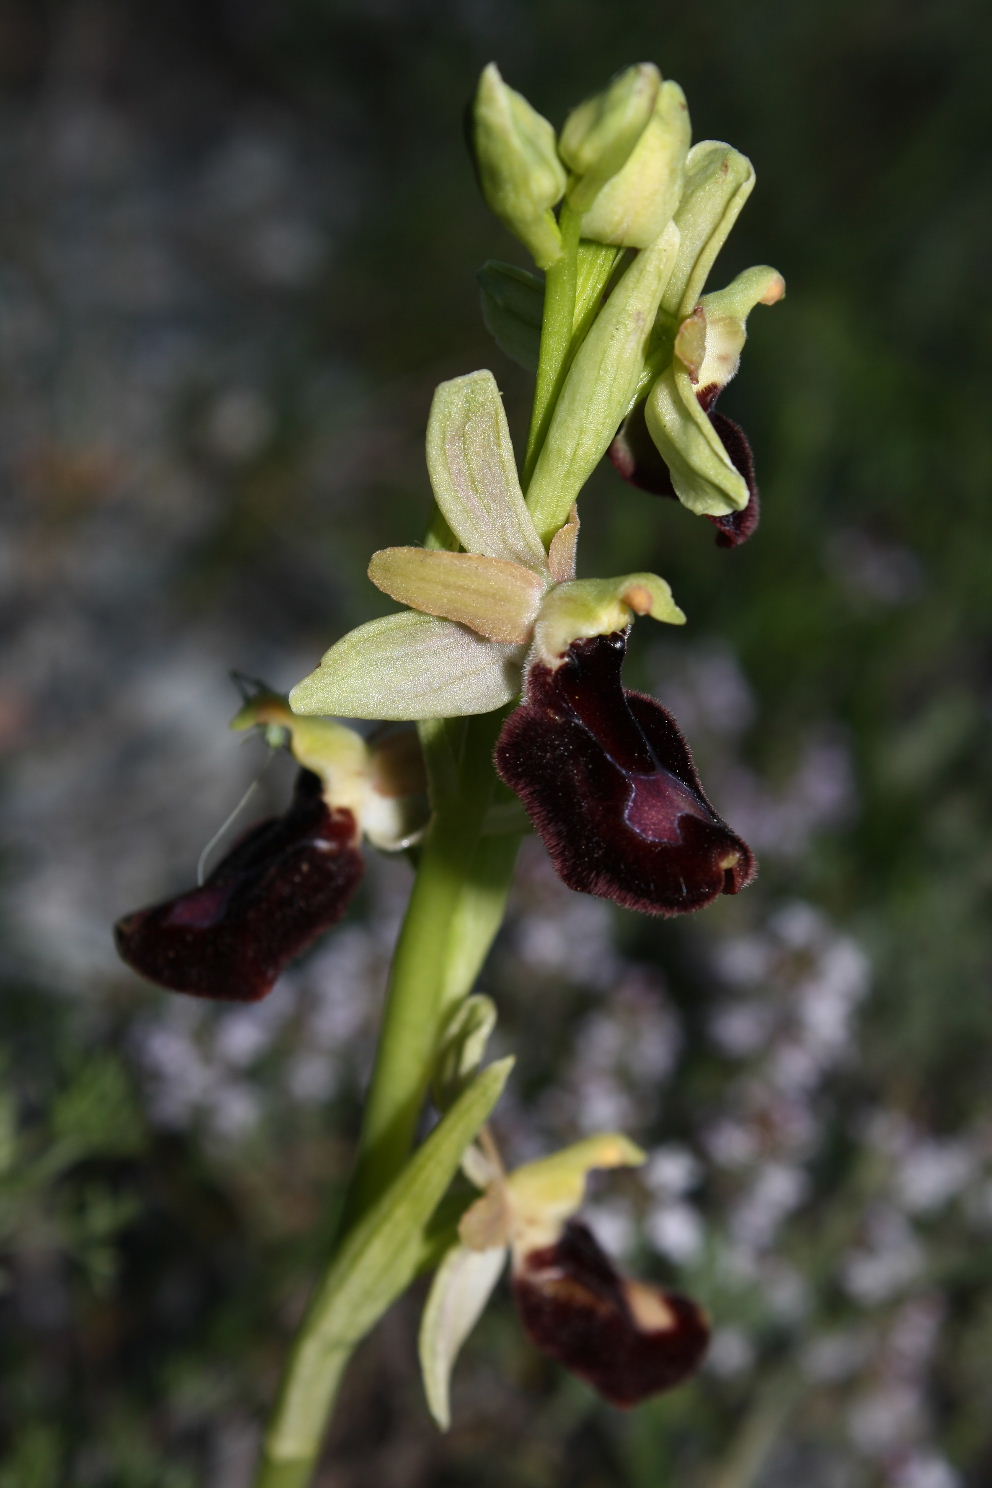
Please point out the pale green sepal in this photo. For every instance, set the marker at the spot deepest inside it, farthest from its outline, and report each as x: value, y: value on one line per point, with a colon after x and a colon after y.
x: 591, y: 607
x: 704, y: 478
x: 599, y: 385
x: 634, y: 206
x: 542, y: 1195
x: 474, y: 473
x: 410, y: 666
x: 463, y: 1284
x: 463, y: 1047
x: 512, y: 311
x: 718, y: 181
x: 599, y: 135
x: 379, y: 1257
x: 519, y: 170
x: 495, y: 598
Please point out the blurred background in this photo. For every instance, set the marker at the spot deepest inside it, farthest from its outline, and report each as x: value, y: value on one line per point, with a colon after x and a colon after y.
x: 237, y: 250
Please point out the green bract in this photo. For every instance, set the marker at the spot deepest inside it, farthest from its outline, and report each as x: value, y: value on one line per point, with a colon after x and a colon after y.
x: 462, y: 646
x: 600, y: 384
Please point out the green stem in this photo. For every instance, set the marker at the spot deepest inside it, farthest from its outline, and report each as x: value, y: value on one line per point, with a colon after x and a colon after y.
x: 422, y: 987
x: 454, y: 912
x: 556, y: 336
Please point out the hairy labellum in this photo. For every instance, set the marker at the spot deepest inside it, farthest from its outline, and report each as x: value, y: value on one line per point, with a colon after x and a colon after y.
x: 287, y: 880
x: 610, y: 784
x: 635, y: 456
x: 627, y: 1339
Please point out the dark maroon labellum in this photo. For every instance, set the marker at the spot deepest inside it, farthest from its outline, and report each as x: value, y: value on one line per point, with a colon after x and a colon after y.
x: 287, y: 880
x: 627, y: 1339
x: 636, y: 457
x: 611, y: 787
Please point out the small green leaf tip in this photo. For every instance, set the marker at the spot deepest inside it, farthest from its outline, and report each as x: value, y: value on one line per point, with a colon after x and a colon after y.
x: 600, y: 134
x: 519, y: 170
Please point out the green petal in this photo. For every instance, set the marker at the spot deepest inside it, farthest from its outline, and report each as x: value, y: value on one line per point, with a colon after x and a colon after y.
x: 704, y: 478
x: 463, y: 1284
x: 410, y: 666
x: 496, y: 599
x: 474, y: 472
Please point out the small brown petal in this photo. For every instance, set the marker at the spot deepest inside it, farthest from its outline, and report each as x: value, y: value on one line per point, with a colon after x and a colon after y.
x: 629, y: 1340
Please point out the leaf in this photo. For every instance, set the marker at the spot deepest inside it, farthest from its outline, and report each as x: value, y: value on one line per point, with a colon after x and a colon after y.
x: 703, y: 475
x: 462, y: 1286
x: 512, y: 311
x: 496, y: 599
x: 474, y: 473
x: 410, y: 666
x: 381, y: 1254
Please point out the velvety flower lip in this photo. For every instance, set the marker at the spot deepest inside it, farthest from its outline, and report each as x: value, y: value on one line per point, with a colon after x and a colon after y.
x: 286, y: 881
x: 635, y: 456
x: 611, y: 787
x: 629, y: 1340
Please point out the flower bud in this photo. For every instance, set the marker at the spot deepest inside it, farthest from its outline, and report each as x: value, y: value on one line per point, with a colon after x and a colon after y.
x: 519, y: 170
x: 600, y: 134
x: 636, y: 203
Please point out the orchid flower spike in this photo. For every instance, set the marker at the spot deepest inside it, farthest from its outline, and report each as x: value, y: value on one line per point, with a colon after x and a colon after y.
x: 291, y: 877
x: 627, y: 1339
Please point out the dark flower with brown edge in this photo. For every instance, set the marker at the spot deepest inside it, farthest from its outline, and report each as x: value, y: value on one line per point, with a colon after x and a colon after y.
x: 627, y: 1339
x: 291, y: 877
x: 285, y: 882
x: 611, y: 787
